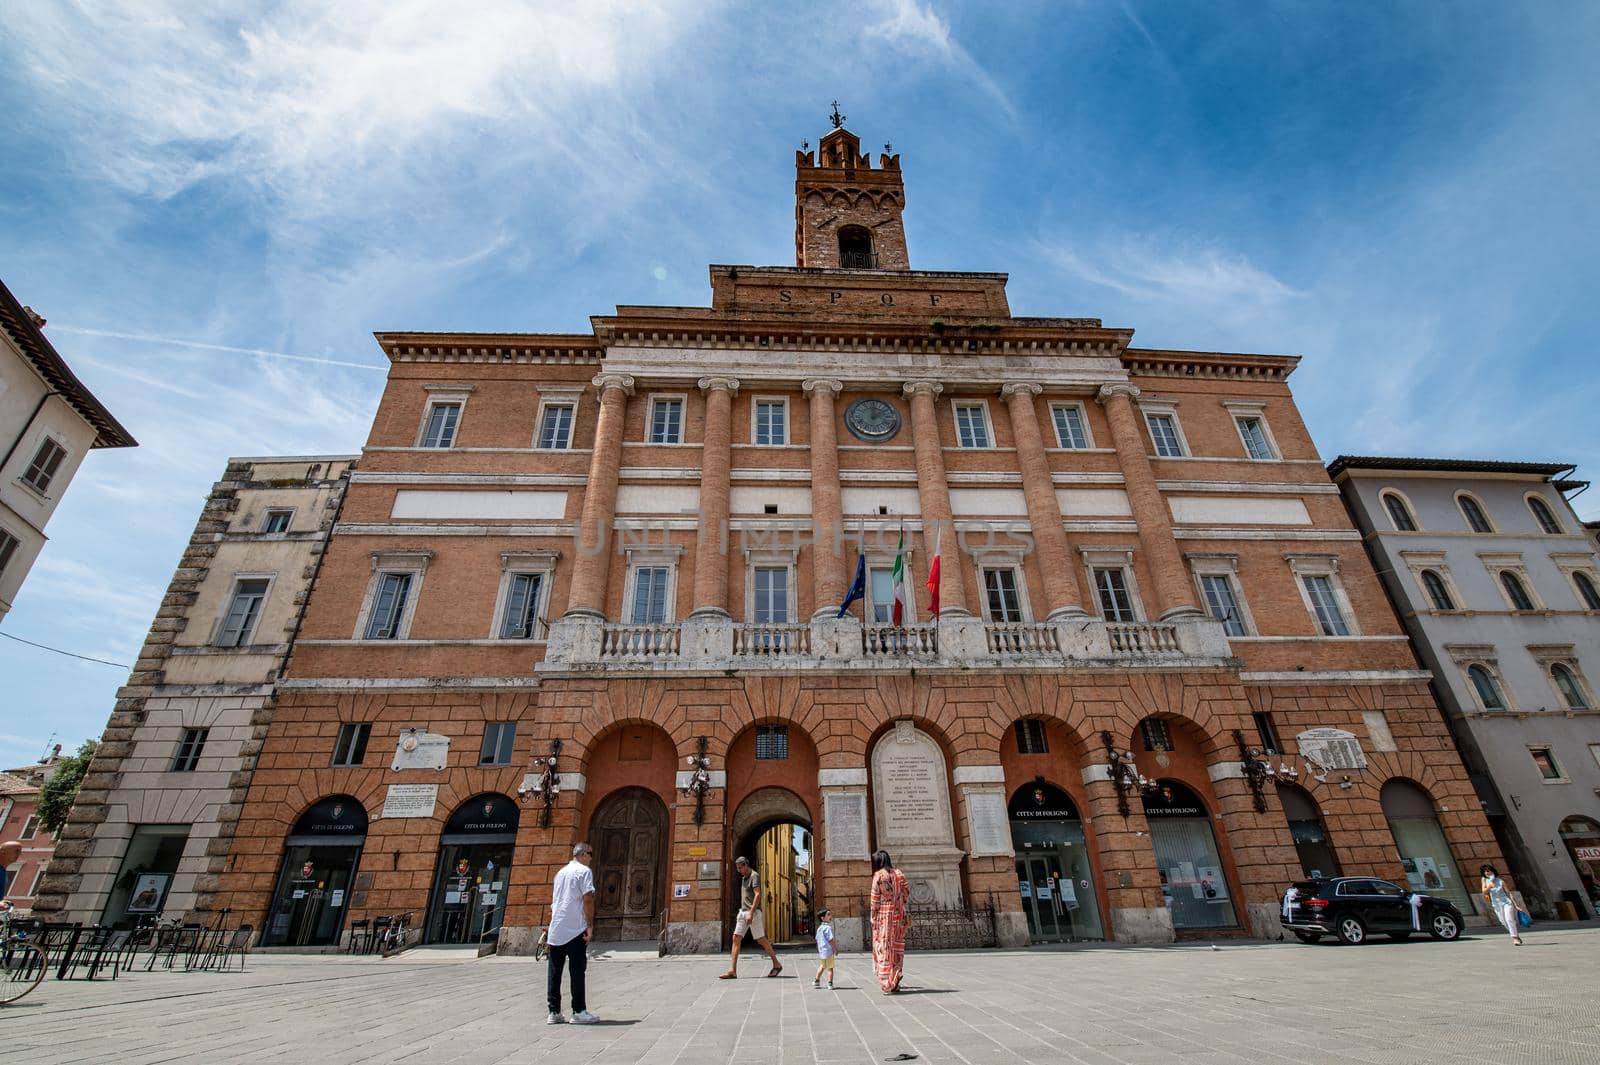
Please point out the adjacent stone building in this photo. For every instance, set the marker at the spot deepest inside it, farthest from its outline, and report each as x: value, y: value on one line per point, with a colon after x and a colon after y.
x: 157, y: 809
x: 1498, y: 583
x: 589, y: 587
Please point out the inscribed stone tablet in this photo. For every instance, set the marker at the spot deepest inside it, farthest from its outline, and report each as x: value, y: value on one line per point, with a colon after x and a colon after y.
x: 845, y: 823
x: 410, y: 800
x: 991, y: 829
x: 1331, y: 747
x: 419, y: 749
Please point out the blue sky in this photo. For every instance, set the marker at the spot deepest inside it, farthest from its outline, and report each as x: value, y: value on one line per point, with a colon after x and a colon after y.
x: 1404, y: 194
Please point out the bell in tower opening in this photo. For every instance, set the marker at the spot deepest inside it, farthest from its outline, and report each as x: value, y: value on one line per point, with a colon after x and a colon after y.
x: 847, y: 214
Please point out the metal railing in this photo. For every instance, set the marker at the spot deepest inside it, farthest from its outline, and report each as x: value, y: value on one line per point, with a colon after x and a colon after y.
x: 858, y: 260
x: 895, y: 641
x: 1137, y: 639
x: 619, y: 640
x: 772, y: 639
x: 1022, y: 639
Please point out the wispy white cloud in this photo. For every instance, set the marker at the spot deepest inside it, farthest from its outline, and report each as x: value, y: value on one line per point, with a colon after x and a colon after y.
x: 175, y: 342
x: 1141, y: 267
x: 915, y: 28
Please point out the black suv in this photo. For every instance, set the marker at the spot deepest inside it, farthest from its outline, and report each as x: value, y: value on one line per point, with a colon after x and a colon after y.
x: 1354, y: 907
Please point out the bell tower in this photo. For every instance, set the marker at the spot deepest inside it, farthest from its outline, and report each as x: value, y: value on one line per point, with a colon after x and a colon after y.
x: 846, y: 214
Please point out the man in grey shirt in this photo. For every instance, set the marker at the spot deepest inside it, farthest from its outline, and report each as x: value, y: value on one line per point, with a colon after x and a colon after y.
x: 750, y: 919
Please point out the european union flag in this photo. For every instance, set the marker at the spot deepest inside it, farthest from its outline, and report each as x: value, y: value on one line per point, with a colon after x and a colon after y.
x: 858, y: 587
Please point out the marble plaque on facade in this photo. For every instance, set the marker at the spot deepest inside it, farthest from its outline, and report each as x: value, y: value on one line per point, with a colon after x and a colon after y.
x: 844, y: 820
x: 911, y: 790
x: 991, y: 827
x: 410, y: 800
x: 420, y: 749
x: 1331, y: 748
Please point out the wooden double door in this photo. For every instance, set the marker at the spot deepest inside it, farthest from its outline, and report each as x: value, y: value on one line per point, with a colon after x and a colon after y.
x: 629, y: 834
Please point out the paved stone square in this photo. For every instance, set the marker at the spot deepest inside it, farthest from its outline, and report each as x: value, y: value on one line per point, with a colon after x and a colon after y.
x: 1479, y: 1000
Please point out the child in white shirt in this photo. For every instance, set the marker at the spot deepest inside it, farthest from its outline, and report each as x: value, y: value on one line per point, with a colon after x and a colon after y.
x: 825, y: 948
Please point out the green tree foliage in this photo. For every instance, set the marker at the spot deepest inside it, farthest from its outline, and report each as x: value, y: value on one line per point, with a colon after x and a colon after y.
x: 59, y: 792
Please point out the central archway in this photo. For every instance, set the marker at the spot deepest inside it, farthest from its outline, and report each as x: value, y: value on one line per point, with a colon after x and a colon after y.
x: 629, y: 835
x: 772, y: 828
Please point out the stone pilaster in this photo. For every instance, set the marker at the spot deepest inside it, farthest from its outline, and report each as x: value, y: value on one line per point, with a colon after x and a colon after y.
x: 933, y: 488
x: 591, y: 568
x: 829, y: 579
x: 711, y: 556
x: 1056, y: 565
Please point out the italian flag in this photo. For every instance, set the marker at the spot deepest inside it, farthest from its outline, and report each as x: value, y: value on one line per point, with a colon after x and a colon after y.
x: 897, y: 577
x: 933, y: 573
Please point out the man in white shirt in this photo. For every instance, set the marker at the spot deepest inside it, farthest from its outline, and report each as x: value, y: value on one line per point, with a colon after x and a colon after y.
x: 571, y: 925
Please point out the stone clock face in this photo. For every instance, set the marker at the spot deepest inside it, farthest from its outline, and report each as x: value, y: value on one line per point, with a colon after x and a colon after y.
x: 872, y: 420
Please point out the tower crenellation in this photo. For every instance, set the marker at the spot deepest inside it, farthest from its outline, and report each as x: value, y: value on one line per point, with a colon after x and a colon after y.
x: 847, y: 214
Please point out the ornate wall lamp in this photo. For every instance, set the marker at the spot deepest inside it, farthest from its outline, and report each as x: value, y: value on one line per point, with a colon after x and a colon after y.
x: 699, y: 779
x: 546, y: 784
x: 1124, y: 774
x: 1257, y: 771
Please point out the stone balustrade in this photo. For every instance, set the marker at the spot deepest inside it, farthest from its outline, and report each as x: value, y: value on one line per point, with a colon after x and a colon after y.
x: 1023, y: 639
x: 768, y: 640
x: 623, y: 642
x: 900, y: 641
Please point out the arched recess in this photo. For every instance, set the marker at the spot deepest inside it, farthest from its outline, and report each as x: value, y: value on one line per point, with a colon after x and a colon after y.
x: 315, y: 877
x: 472, y: 875
x: 1309, y: 832
x: 629, y: 754
x: 1581, y: 835
x: 1424, y: 853
x: 629, y: 833
x: 773, y: 828
x: 855, y: 248
x: 1056, y: 873
x: 1196, y: 871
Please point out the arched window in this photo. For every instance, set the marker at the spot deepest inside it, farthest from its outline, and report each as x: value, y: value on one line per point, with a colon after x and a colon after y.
x: 1488, y: 690
x: 1543, y: 515
x: 1472, y: 510
x: 1516, y: 591
x: 1587, y: 589
x: 1567, y: 684
x: 1437, y: 590
x: 1399, y: 514
x: 855, y: 249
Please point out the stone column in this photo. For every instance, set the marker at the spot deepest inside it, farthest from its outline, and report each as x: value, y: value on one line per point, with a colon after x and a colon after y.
x: 1174, y: 594
x: 934, y: 491
x: 592, y: 566
x: 1056, y: 564
x: 829, y: 577
x: 711, y: 555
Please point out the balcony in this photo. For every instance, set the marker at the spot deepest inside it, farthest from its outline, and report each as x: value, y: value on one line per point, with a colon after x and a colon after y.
x: 858, y: 260
x: 1143, y: 640
x: 771, y: 639
x: 900, y: 641
x: 1022, y: 640
x: 638, y: 642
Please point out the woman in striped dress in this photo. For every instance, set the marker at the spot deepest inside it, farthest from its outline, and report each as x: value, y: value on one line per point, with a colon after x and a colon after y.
x: 891, y: 900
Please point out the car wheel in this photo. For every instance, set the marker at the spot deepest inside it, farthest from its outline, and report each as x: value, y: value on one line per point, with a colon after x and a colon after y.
x: 1444, y: 927
x: 1399, y: 937
x: 1351, y: 931
x: 1308, y: 937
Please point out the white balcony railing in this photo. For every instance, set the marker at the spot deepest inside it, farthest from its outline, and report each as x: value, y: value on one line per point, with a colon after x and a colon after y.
x: 1022, y: 639
x: 1138, y: 639
x: 764, y: 640
x: 628, y: 641
x: 900, y: 641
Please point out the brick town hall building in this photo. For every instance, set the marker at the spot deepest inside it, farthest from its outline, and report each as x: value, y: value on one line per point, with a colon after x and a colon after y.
x: 630, y: 547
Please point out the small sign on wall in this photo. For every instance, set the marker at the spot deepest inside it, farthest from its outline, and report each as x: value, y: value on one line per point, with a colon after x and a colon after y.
x: 410, y: 800
x: 680, y: 891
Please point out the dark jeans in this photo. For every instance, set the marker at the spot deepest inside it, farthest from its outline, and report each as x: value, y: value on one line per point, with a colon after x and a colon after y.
x: 576, y: 955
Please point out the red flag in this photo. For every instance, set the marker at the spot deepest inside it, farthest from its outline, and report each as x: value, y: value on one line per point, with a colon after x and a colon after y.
x: 933, y: 573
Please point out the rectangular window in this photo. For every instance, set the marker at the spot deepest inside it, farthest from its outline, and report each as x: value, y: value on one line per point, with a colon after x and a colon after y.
x: 1156, y: 735
x: 238, y: 624
x: 388, y: 606
x: 1545, y: 762
x: 880, y: 592
x: 277, y: 521
x: 1221, y: 603
x: 8, y: 547
x: 666, y: 421
x: 1030, y: 737
x: 1594, y: 752
x: 771, y: 595
x: 441, y: 430
x: 522, y: 620
x: 1002, y: 595
x: 1164, y: 434
x: 188, y: 756
x: 772, y: 422
x: 351, y: 746
x: 1116, y: 602
x: 1268, y: 734
x: 46, y: 462
x: 38, y: 875
x: 1070, y: 432
x: 1254, y: 432
x: 772, y: 742
x: 1326, y: 605
x: 971, y: 428
x: 649, y: 605
x: 30, y: 827
x: 498, y: 736
x: 555, y: 430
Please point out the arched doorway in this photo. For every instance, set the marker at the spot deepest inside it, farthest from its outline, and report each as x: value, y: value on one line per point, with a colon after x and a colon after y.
x: 474, y: 870
x: 855, y: 248
x: 319, y: 863
x: 1192, y: 880
x: 772, y: 828
x: 1424, y: 853
x: 629, y: 835
x: 1054, y: 873
x: 1310, y: 835
x: 1582, y: 838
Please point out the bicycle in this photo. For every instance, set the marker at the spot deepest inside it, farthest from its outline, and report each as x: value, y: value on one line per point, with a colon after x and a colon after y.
x: 394, y: 939
x: 22, y: 963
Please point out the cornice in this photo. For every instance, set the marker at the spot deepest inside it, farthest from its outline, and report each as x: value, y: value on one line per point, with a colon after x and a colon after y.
x: 1146, y: 362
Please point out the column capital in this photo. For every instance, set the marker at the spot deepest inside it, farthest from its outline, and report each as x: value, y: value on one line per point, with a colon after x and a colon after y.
x: 724, y: 384
x: 817, y: 384
x: 1018, y: 388
x: 1119, y: 389
x: 932, y: 388
x: 614, y: 380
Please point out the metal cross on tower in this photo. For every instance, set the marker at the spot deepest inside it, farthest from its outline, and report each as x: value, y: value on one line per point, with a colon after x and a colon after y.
x: 836, y: 118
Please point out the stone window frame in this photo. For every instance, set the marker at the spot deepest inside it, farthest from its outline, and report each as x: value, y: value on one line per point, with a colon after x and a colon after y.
x: 755, y: 404
x: 988, y: 422
x: 414, y: 562
x: 1528, y: 499
x: 1083, y: 418
x: 1239, y: 409
x: 1572, y: 563
x: 650, y: 418
x: 1405, y: 501
x: 1094, y: 557
x: 1484, y: 655
x: 997, y: 557
x: 512, y: 563
x: 1498, y: 562
x: 652, y: 556
x: 1222, y: 564
x: 10, y: 544
x: 1548, y: 750
x: 439, y: 395
x: 786, y: 558
x: 1419, y: 562
x: 1168, y: 408
x: 246, y: 638
x: 1323, y: 565
x: 557, y: 397
x: 1550, y: 655
x: 883, y: 558
x: 269, y: 514
x: 1494, y: 528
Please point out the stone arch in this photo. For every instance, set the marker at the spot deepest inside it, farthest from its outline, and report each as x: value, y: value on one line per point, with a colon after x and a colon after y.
x: 1428, y: 858
x: 766, y: 805
x: 1174, y: 697
x: 1045, y: 696
x: 631, y: 753
x: 631, y: 833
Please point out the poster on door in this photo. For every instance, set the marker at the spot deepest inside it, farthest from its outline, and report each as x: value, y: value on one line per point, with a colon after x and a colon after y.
x: 1429, y: 873
x: 1069, y: 895
x: 1210, y: 886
